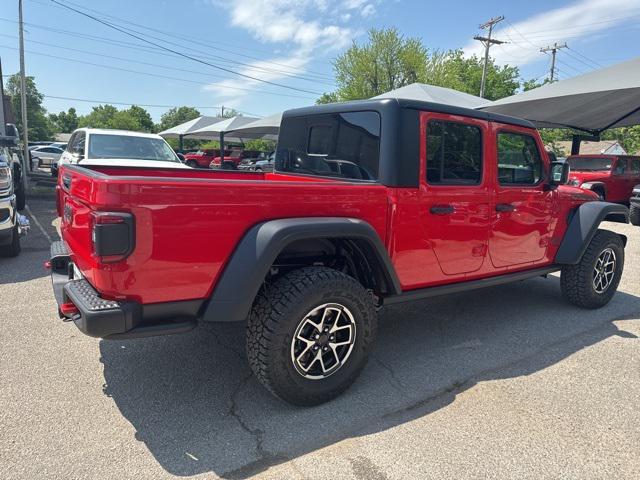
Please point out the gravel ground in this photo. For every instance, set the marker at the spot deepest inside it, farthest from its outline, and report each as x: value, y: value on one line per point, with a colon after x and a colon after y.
x: 506, y: 382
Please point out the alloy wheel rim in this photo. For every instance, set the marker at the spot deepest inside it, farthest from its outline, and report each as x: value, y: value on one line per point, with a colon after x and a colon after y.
x: 323, y: 341
x: 604, y: 270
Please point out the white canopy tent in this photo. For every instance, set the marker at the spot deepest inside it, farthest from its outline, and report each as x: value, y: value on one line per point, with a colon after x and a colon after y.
x: 430, y: 93
x: 267, y: 127
x: 593, y: 102
x: 179, y: 131
x: 219, y: 129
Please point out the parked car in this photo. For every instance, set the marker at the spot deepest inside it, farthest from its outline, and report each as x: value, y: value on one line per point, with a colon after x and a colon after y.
x: 11, y: 151
x: 46, y: 156
x: 634, y: 206
x: 98, y: 146
x: 231, y: 161
x: 203, y: 158
x: 13, y: 225
x: 306, y: 257
x: 612, y: 177
x: 60, y: 145
x: 266, y: 164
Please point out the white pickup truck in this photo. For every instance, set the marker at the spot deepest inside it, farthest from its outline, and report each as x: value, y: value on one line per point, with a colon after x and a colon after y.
x: 98, y: 146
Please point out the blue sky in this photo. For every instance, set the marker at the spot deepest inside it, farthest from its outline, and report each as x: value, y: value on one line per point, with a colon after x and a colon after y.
x: 287, y: 42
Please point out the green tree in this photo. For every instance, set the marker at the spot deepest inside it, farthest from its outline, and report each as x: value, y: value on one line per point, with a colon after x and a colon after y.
x: 107, y: 116
x: 65, y: 122
x: 389, y: 61
x: 454, y: 70
x: 628, y: 137
x: 386, y: 62
x: 176, y: 116
x: 39, y: 126
x: 142, y: 117
x: 229, y: 113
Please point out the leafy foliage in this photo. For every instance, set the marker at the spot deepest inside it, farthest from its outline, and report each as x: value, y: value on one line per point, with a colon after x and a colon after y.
x: 39, y: 126
x: 65, y: 122
x: 107, y: 116
x: 176, y: 116
x: 389, y: 60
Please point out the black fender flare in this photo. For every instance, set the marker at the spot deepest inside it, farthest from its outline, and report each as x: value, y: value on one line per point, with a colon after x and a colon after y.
x: 583, y: 226
x: 595, y: 185
x: 244, y: 274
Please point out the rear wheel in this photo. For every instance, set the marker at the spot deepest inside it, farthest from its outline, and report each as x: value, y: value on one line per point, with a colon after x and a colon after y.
x: 593, y: 282
x: 634, y: 214
x: 309, y: 335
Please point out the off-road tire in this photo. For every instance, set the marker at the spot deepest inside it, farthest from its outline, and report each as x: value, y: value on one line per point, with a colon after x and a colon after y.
x: 276, y: 314
x: 13, y: 249
x: 21, y: 200
x: 192, y: 163
x: 576, y: 281
x: 634, y: 215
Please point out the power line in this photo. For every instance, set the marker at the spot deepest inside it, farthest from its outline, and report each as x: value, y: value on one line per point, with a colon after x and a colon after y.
x: 110, y: 67
x: 153, y: 50
x: 218, y: 67
x: 110, y: 102
x: 593, y: 62
x: 188, y: 38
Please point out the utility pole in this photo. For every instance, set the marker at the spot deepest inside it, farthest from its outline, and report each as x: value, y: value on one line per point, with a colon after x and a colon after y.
x: 487, y: 42
x: 553, y: 49
x: 222, y: 111
x: 3, y: 119
x: 23, y: 103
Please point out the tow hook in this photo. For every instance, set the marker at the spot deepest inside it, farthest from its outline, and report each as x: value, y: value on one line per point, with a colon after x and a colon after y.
x: 23, y: 225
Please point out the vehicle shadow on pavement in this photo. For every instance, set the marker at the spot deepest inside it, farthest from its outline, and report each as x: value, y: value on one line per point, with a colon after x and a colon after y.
x: 196, y: 406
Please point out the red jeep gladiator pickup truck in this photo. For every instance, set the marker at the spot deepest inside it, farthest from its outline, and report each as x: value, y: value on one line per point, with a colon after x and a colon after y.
x: 202, y: 158
x: 428, y: 200
x: 612, y: 177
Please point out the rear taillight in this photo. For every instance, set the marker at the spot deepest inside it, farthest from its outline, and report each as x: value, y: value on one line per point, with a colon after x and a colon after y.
x: 112, y: 235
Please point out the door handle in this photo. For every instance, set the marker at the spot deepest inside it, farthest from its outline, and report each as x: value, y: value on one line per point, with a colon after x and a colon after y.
x: 442, y: 209
x: 505, y: 207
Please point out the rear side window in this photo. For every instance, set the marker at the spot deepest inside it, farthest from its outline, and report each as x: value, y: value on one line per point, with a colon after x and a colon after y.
x: 519, y: 161
x: 343, y: 145
x: 454, y: 153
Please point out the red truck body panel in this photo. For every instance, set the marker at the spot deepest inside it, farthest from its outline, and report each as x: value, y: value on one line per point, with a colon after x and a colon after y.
x: 188, y: 226
x: 188, y: 222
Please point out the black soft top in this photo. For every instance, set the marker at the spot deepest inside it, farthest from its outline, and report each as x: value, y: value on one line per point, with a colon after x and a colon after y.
x: 384, y: 105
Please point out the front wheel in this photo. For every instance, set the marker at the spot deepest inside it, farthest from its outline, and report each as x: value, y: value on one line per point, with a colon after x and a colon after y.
x: 634, y: 215
x: 192, y: 163
x: 594, y: 280
x: 309, y: 335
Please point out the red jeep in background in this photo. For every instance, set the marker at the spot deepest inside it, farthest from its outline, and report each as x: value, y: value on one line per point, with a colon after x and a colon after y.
x: 440, y: 200
x: 203, y: 158
x: 612, y: 177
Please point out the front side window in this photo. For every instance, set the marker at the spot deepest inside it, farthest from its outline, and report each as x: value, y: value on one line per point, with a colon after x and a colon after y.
x: 343, y: 145
x: 635, y: 166
x: 519, y: 161
x: 621, y: 167
x: 454, y: 153
x: 130, y: 147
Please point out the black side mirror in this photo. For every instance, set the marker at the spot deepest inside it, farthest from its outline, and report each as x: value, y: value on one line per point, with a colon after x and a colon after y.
x: 559, y: 173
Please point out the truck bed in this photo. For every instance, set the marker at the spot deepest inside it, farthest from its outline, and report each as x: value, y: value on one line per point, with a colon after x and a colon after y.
x: 187, y: 222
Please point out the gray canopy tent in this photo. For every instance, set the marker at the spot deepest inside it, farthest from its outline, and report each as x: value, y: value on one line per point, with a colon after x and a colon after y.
x: 179, y: 131
x: 219, y: 129
x: 267, y: 127
x: 592, y: 103
x: 430, y: 93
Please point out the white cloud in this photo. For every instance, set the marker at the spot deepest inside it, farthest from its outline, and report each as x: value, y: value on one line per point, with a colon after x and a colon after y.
x: 304, y: 27
x: 579, y: 20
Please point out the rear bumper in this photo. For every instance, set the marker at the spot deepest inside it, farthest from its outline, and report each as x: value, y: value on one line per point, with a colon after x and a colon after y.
x: 111, y: 319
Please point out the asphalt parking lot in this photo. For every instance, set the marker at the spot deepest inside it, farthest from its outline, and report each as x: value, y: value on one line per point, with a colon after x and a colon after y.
x: 506, y: 382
